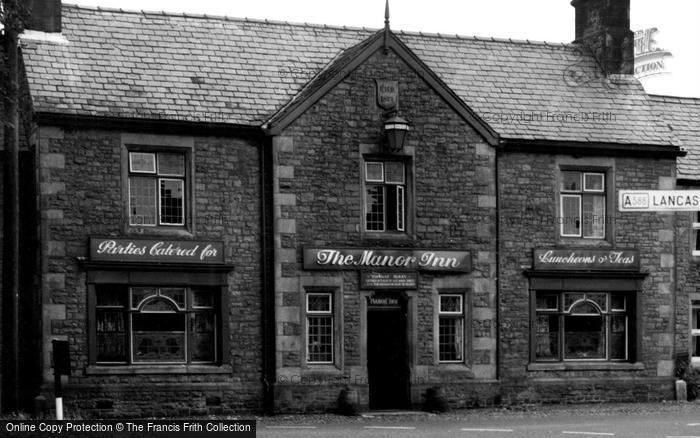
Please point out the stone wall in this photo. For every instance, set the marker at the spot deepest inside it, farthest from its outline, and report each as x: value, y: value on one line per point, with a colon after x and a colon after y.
x: 528, y: 220
x: 80, y: 196
x: 318, y: 202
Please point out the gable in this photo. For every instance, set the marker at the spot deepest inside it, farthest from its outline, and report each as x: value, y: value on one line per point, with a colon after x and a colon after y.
x: 338, y: 69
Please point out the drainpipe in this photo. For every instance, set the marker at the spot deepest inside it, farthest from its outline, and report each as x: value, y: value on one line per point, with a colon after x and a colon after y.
x: 10, y: 373
x: 268, y: 292
x: 498, y: 267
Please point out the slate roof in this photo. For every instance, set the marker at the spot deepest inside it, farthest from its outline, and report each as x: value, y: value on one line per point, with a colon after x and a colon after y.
x: 683, y: 116
x: 217, y: 69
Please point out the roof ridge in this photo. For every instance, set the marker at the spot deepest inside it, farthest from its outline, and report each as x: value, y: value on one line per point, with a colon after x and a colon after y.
x: 485, y: 39
x: 218, y: 17
x: 319, y: 25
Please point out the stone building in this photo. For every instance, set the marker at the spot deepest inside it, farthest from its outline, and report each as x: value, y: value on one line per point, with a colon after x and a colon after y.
x: 239, y: 215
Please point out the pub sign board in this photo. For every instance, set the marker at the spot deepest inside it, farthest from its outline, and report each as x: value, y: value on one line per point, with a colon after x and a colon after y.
x: 156, y: 251
x: 586, y: 259
x: 388, y: 280
x: 349, y: 259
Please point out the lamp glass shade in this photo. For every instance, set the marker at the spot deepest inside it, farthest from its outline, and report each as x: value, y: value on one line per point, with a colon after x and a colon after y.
x: 395, y: 130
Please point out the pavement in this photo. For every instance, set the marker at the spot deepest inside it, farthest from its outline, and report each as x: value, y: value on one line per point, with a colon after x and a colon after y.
x: 634, y: 420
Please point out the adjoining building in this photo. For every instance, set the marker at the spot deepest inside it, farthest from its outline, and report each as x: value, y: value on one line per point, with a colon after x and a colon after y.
x: 239, y: 215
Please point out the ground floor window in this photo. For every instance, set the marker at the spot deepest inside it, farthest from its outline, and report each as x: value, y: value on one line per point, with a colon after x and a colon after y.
x: 695, y: 331
x: 574, y: 326
x: 451, y: 328
x: 319, y: 328
x: 156, y: 325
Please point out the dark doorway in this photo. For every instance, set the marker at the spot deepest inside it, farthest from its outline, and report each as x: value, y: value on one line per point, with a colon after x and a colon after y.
x: 387, y: 353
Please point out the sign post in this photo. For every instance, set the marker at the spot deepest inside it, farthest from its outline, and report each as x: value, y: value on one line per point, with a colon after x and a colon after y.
x: 61, y: 366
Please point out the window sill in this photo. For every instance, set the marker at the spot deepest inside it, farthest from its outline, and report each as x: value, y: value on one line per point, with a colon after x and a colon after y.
x: 369, y: 236
x: 100, y: 370
x: 586, y: 366
x: 159, y: 231
x: 328, y: 369
x: 584, y: 243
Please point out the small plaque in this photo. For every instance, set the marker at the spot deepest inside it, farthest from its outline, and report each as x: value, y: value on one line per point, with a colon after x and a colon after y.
x: 387, y: 94
x: 388, y: 280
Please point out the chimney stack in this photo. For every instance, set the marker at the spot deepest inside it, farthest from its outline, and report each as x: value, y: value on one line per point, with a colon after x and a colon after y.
x: 604, y: 27
x: 43, y: 15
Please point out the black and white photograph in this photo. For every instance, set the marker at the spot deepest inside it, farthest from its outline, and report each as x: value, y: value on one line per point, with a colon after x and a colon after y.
x: 365, y: 219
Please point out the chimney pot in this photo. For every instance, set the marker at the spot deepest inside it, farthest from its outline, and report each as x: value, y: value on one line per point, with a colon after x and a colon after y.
x: 43, y: 15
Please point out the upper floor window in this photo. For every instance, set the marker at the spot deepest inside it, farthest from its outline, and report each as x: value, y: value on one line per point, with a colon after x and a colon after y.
x: 157, y: 186
x: 582, y: 204
x: 695, y: 332
x: 696, y: 235
x: 385, y: 196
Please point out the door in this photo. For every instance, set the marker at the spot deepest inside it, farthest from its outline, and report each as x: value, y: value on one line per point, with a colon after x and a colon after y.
x: 387, y: 356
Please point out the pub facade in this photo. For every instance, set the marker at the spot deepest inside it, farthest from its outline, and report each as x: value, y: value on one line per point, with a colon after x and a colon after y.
x: 401, y: 218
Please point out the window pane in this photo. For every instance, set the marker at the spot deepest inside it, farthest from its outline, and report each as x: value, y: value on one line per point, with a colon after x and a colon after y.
x: 320, y: 339
x: 203, y: 339
x: 571, y: 181
x: 593, y: 182
x: 584, y: 337
x: 111, y: 296
x: 451, y: 303
x: 450, y: 339
x: 374, y: 172
x: 318, y: 303
x: 375, y: 208
x: 594, y: 216
x: 400, y: 209
x: 696, y: 346
x: 172, y: 201
x: 139, y: 294
x: 617, y: 302
x: 571, y: 215
x: 175, y: 294
x: 600, y: 299
x: 571, y: 298
x: 171, y: 164
x: 394, y: 172
x: 111, y: 336
x: 547, y: 335
x: 142, y: 201
x: 202, y: 298
x: 618, y: 337
x: 158, y: 305
x: 158, y: 337
x: 547, y: 301
x: 585, y: 308
x: 142, y: 162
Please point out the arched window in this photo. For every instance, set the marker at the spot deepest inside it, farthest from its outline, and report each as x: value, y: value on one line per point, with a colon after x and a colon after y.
x: 156, y: 325
x: 580, y: 326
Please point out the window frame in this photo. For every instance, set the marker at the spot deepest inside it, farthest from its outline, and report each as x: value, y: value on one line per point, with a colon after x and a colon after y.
x: 404, y: 189
x: 188, y: 311
x: 584, y: 172
x: 562, y: 312
x: 695, y: 228
x: 694, y: 332
x: 186, y: 179
x: 452, y: 315
x: 330, y: 313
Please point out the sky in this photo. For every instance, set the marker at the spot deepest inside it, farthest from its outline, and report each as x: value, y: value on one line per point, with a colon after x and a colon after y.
x: 677, y: 21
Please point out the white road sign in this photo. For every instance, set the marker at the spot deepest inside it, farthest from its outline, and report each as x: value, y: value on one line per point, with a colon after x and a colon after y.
x: 659, y: 200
